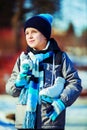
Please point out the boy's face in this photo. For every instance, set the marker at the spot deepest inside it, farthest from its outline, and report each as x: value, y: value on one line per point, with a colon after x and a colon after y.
x: 35, y: 39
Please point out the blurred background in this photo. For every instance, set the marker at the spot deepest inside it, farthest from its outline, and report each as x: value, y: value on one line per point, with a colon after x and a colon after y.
x: 70, y: 31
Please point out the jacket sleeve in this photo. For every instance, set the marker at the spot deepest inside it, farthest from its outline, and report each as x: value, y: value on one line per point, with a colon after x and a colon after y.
x: 10, y: 85
x: 73, y: 86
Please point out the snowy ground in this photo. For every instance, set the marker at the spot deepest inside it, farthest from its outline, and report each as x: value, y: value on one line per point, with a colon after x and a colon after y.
x: 76, y: 115
x: 7, y: 106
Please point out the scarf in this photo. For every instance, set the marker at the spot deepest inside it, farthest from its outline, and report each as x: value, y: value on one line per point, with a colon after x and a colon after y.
x: 30, y: 93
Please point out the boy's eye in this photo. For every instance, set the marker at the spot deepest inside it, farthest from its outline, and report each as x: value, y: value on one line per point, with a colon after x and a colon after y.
x: 34, y: 31
x: 26, y: 33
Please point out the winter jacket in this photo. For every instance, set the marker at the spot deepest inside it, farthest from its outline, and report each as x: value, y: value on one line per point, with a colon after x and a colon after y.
x: 62, y: 67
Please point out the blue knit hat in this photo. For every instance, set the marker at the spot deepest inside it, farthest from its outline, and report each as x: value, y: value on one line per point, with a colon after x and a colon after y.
x: 41, y: 22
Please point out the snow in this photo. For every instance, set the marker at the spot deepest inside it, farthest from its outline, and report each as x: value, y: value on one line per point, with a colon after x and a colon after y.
x: 7, y: 106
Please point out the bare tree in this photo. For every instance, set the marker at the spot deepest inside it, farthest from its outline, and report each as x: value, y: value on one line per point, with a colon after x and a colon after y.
x: 16, y: 23
x: 40, y: 6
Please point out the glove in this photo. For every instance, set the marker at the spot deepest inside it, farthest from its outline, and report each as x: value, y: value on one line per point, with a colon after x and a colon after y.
x: 55, y: 90
x: 25, y: 72
x: 26, y: 67
x: 55, y: 109
x: 20, y: 81
x: 46, y: 99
